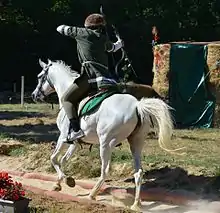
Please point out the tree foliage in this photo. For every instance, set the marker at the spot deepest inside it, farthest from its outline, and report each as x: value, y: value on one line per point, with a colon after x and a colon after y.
x: 28, y: 30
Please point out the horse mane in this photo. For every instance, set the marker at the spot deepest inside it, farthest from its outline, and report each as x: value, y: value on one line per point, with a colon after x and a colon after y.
x: 63, y: 65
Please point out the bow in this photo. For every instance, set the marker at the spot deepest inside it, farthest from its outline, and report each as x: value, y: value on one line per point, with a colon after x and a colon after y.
x: 124, y: 55
x: 102, y: 13
x: 106, y: 31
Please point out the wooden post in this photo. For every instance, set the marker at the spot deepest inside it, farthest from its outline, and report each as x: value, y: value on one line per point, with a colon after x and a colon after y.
x: 14, y: 87
x: 22, y: 90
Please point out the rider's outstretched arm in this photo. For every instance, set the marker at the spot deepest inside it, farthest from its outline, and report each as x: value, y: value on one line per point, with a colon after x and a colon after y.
x: 75, y: 31
x: 65, y: 30
x: 70, y: 30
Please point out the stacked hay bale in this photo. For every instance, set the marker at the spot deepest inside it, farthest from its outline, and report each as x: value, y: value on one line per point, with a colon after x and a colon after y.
x: 214, y: 80
x: 161, y: 68
x: 161, y: 72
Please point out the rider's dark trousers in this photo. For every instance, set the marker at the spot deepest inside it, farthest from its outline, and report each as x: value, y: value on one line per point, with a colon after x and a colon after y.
x: 76, y: 92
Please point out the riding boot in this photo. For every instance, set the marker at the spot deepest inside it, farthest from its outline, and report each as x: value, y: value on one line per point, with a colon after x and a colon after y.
x: 74, y: 130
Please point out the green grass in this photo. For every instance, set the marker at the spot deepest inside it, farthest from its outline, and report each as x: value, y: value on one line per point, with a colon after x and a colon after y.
x: 202, y: 156
x: 39, y: 107
x: 4, y: 135
x: 39, y: 210
x: 202, y: 151
x: 21, y: 151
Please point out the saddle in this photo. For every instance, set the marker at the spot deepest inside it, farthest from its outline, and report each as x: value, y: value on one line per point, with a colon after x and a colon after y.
x: 91, y: 102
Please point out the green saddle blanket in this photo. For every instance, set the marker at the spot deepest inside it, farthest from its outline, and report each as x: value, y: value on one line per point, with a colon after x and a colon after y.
x: 95, y: 101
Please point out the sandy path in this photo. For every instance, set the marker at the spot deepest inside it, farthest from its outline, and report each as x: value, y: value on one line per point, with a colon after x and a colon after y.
x: 9, y: 164
x: 12, y: 164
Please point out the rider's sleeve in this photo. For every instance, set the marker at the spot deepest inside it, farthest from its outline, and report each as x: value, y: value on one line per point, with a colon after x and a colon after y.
x: 114, y: 46
x: 70, y: 31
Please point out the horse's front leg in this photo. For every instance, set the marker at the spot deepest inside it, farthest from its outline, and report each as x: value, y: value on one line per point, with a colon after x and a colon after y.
x: 105, y: 154
x: 72, y: 148
x: 56, y: 165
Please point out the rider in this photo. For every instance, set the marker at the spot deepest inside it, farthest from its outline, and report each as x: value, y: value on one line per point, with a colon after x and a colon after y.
x: 92, y: 48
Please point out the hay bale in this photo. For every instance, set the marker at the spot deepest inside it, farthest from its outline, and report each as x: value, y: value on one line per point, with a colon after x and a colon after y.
x: 216, y: 120
x: 161, y: 71
x: 161, y: 68
x: 214, y: 78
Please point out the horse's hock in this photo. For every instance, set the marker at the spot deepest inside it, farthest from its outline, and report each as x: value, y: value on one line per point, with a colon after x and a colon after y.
x: 161, y: 67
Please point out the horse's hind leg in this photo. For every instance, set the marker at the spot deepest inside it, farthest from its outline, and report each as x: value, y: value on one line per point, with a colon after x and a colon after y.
x: 136, y: 143
x: 105, y: 154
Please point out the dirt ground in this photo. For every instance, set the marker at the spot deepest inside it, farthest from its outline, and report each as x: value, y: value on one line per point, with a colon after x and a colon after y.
x: 43, y: 204
x: 25, y: 145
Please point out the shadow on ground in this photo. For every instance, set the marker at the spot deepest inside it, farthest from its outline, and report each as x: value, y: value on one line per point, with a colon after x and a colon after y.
x: 203, y: 193
x: 33, y: 133
x: 10, y: 115
x: 177, y: 179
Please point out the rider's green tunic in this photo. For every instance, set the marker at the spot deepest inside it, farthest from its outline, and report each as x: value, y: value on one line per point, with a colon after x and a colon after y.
x: 91, y: 48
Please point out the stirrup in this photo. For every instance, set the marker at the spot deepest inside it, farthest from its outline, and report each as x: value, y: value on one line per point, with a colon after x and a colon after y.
x: 75, y: 135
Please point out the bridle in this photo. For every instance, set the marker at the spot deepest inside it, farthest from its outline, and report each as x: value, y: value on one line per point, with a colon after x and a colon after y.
x: 44, y: 78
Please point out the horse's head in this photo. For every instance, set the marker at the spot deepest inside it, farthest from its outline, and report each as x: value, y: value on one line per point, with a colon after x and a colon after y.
x: 45, y: 86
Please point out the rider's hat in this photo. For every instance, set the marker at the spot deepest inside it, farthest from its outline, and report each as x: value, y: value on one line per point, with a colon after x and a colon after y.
x: 95, y: 20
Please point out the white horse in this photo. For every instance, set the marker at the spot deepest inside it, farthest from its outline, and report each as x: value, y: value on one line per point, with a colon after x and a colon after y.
x: 119, y: 117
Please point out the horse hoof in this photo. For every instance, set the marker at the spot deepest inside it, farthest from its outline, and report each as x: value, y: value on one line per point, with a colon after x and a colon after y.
x: 136, y: 208
x: 90, y: 197
x: 69, y: 181
x: 57, y: 187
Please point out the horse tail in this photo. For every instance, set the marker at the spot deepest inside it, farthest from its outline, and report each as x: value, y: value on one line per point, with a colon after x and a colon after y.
x: 158, y: 112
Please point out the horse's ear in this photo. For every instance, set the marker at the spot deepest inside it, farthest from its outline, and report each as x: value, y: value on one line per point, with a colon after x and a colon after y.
x: 42, y: 64
x: 49, y: 61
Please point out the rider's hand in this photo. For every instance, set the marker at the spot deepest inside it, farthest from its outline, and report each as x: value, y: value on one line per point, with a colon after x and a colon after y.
x: 122, y: 43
